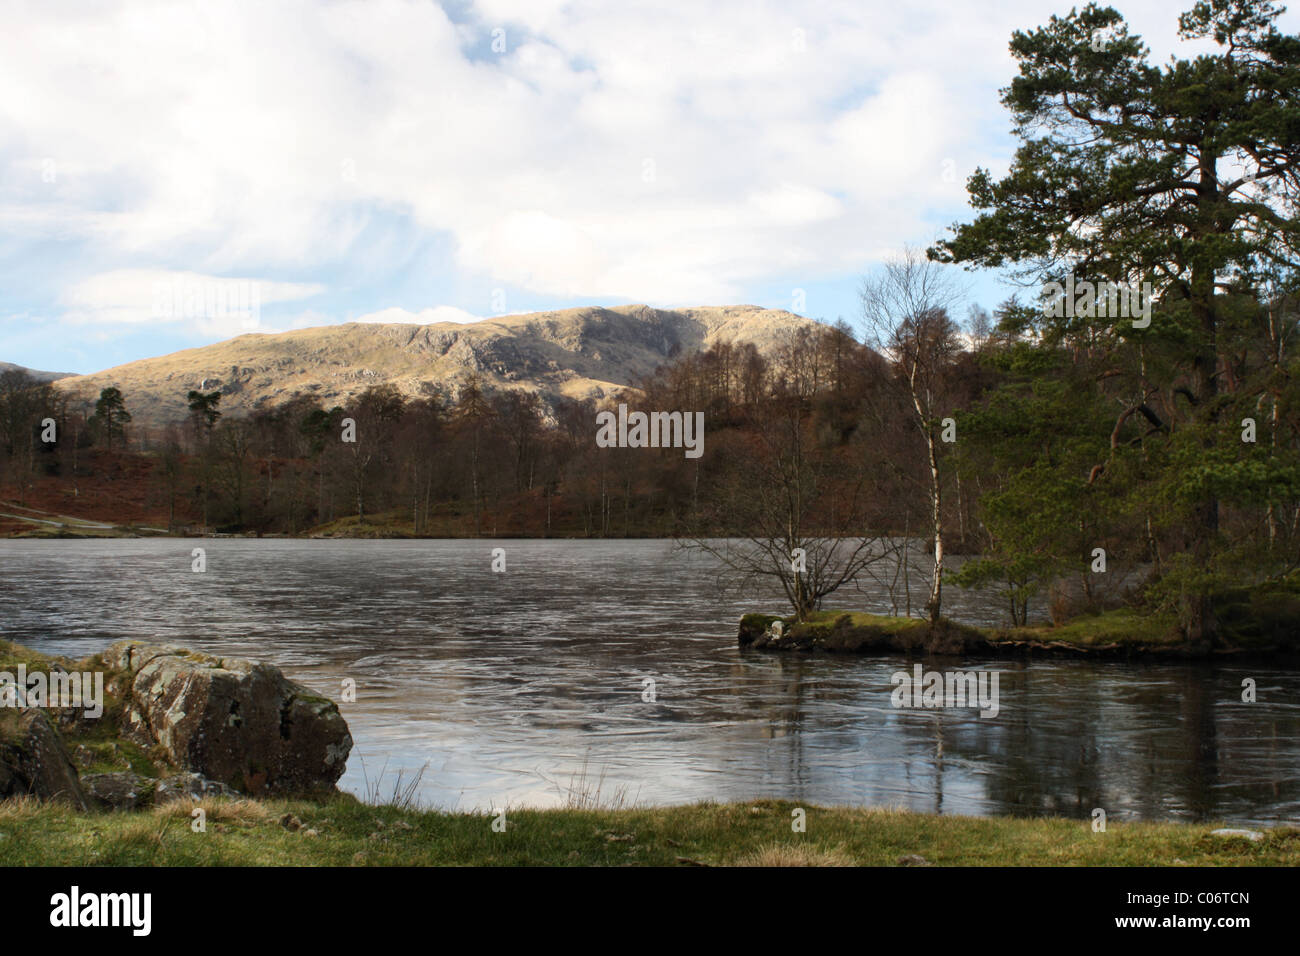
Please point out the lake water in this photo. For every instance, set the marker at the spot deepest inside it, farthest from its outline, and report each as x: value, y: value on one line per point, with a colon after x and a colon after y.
x: 522, y: 688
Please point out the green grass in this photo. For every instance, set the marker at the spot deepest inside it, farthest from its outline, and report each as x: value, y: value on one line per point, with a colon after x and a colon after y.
x: 11, y: 655
x: 1119, y: 626
x: 1124, y: 626
x: 348, y: 832
x: 112, y: 754
x: 881, y: 622
x: 1245, y: 627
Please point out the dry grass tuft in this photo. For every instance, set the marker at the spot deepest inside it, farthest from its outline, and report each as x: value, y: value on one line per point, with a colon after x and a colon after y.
x: 796, y: 854
x: 20, y: 807
x: 215, y: 809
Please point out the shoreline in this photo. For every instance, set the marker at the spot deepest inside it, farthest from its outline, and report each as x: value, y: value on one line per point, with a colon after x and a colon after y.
x: 131, y: 802
x: 1121, y: 634
x: 342, y: 831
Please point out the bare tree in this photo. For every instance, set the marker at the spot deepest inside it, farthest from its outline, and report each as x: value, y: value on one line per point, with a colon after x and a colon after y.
x: 171, y: 471
x: 377, y: 411
x: 905, y: 317
x: 231, y: 443
x: 474, y: 415
x: 800, y: 510
x: 979, y: 327
x: 24, y: 403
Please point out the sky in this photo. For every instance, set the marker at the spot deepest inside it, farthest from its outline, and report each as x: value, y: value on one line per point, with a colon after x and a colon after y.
x: 173, y: 174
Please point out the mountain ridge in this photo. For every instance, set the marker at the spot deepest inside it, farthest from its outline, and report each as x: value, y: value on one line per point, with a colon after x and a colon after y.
x: 580, y: 353
x: 38, y: 374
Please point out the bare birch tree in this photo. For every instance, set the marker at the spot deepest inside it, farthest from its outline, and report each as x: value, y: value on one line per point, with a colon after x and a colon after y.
x: 905, y: 317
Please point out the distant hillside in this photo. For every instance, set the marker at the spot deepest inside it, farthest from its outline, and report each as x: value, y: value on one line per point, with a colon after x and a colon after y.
x: 34, y: 372
x: 579, y: 353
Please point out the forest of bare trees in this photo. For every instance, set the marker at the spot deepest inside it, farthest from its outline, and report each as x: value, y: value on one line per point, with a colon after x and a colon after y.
x: 819, y: 456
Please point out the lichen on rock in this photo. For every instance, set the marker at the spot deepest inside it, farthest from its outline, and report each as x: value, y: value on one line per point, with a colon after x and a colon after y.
x: 235, y: 721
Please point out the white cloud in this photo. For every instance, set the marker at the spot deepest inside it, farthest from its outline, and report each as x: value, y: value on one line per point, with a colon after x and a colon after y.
x: 211, y: 305
x: 657, y: 152
x: 441, y: 313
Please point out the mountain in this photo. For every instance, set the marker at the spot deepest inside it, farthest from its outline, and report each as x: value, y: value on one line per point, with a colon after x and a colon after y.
x: 579, y: 353
x: 33, y: 372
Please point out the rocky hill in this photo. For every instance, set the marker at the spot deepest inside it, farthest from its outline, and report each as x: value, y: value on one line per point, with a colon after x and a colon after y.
x: 579, y: 353
x: 33, y: 372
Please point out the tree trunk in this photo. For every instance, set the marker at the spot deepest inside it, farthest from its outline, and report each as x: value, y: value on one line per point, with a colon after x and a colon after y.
x: 934, y: 605
x: 1202, y: 626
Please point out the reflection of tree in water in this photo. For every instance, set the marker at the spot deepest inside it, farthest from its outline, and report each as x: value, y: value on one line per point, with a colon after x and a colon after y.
x: 1049, y: 760
x: 795, y: 687
x: 1150, y: 741
x: 1200, y: 742
x: 1071, y: 737
x: 781, y: 702
x: 1244, y: 754
x: 938, y: 762
x: 1019, y: 767
x: 780, y: 699
x: 1043, y: 753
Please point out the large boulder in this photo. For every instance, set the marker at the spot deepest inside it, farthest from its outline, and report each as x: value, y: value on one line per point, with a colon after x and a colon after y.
x: 34, y: 762
x: 234, y: 721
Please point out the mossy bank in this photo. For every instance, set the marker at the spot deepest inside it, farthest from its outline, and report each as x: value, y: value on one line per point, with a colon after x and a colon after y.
x: 1265, y: 625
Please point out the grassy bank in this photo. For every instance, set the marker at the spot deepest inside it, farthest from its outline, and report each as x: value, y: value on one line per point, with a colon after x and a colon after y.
x: 1261, y: 625
x: 346, y: 832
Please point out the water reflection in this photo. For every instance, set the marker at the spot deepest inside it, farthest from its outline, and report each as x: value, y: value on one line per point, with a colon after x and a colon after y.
x: 507, y: 686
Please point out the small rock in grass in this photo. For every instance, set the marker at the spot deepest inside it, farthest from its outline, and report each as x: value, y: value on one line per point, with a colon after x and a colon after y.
x: 117, y: 791
x: 1235, y: 832
x: 913, y: 859
x: 192, y: 786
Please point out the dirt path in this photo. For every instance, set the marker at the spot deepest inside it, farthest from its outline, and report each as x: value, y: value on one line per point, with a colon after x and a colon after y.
x: 33, y: 516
